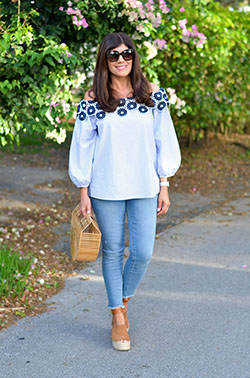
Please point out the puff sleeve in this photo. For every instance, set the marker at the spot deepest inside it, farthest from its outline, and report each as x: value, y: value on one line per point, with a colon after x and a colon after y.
x: 82, y: 149
x: 168, y: 156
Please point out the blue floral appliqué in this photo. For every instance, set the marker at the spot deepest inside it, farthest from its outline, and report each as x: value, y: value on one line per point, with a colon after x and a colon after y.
x: 92, y: 108
x: 82, y: 116
x: 165, y: 97
x: 161, y: 105
x: 101, y: 114
x: 157, y: 95
x: 143, y: 109
x: 131, y: 105
x: 122, y: 102
x: 122, y: 112
x: 83, y: 104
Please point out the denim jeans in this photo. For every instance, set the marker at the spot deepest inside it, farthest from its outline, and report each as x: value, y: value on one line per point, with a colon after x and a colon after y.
x: 110, y: 215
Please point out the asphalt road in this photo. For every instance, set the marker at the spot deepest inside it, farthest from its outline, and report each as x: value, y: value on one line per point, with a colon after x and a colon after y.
x: 190, y: 318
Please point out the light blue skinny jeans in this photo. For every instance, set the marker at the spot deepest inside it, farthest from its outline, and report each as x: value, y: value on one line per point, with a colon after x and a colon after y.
x: 110, y: 215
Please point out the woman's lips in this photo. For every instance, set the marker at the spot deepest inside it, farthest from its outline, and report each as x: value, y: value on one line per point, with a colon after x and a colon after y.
x: 120, y: 68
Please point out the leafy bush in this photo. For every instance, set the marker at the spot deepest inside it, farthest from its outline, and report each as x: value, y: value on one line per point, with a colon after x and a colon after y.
x: 194, y: 48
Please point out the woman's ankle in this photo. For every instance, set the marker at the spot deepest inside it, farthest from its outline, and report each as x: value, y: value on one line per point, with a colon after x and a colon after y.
x: 118, y: 319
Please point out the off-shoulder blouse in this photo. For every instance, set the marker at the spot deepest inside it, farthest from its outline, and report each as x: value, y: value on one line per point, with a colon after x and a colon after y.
x: 122, y: 154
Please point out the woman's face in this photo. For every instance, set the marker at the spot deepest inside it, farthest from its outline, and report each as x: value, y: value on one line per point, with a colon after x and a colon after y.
x: 121, y: 68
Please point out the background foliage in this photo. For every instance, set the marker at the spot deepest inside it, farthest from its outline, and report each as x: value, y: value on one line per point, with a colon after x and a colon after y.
x: 196, y: 49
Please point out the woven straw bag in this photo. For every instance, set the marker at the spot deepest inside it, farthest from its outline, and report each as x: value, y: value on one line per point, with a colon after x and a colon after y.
x: 85, y: 237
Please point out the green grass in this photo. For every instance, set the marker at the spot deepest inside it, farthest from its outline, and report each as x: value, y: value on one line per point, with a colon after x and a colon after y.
x: 14, y: 272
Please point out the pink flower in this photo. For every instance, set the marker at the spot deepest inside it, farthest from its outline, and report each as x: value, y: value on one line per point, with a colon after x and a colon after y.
x: 150, y: 15
x: 195, y: 31
x: 140, y: 28
x: 21, y: 252
x: 78, y: 12
x: 84, y: 23
x: 60, y: 9
x: 186, y: 32
x: 182, y: 9
x: 163, y: 6
x: 171, y: 91
x: 68, y: 54
x: 185, y: 38
x: 182, y: 23
x: 202, y: 37
x: 74, y: 18
x: 71, y: 11
x: 53, y: 104
x: 41, y: 221
x: 142, y: 13
x: 157, y: 22
x: 57, y: 118
x: 60, y: 61
x: 139, y: 5
x: 160, y: 43
x: 148, y: 6
x: 200, y: 46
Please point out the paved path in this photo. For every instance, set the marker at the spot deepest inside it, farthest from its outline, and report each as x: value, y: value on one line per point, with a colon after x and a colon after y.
x: 190, y: 317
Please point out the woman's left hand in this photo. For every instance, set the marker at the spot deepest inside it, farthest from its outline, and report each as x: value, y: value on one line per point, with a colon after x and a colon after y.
x: 163, y: 201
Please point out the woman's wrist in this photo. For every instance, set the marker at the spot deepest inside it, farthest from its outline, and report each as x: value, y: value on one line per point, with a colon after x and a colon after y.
x: 84, y: 192
x: 164, y: 182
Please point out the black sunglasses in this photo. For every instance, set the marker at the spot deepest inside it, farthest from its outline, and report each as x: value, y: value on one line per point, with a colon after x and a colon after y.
x: 113, y: 55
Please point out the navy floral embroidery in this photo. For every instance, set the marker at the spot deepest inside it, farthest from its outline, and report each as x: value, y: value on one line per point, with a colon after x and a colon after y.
x: 157, y: 95
x: 82, y: 116
x: 165, y: 97
x: 131, y: 105
x: 122, y: 112
x: 161, y: 105
x: 83, y: 104
x: 122, y: 102
x: 143, y: 109
x: 92, y: 108
x: 101, y: 114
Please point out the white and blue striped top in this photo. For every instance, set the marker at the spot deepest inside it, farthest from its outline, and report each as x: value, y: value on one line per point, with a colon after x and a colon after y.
x: 121, y: 155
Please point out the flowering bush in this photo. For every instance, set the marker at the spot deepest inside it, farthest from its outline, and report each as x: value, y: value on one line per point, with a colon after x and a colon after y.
x: 192, y: 48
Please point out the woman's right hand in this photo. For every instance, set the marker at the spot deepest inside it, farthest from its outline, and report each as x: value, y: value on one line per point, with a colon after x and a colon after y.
x: 85, y: 203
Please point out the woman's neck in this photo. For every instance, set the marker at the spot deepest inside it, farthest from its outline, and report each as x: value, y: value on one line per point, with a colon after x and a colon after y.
x: 121, y: 86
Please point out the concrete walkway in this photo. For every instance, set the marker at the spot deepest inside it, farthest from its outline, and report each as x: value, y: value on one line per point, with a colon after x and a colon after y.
x: 190, y: 317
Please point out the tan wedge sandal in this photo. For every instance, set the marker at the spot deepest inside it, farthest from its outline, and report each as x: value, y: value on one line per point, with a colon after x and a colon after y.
x: 120, y: 337
x: 125, y: 301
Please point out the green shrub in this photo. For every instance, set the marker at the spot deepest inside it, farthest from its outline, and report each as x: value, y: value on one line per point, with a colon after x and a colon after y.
x: 197, y: 49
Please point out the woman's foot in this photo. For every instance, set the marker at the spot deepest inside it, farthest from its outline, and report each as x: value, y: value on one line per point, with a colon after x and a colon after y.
x: 120, y: 337
x: 125, y: 302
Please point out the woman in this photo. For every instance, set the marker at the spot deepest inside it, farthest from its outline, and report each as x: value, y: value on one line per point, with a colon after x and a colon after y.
x: 123, y: 150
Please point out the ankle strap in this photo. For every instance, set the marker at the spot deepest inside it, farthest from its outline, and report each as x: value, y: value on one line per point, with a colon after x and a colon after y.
x: 125, y: 300
x: 116, y: 310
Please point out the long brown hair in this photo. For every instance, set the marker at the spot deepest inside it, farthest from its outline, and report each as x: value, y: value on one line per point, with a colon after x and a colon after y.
x: 102, y: 77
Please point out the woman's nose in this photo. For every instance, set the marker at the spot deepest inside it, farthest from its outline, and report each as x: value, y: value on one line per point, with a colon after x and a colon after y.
x: 121, y: 58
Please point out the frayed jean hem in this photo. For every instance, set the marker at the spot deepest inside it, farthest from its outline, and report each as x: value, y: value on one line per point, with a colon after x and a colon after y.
x: 112, y: 308
x: 128, y: 296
